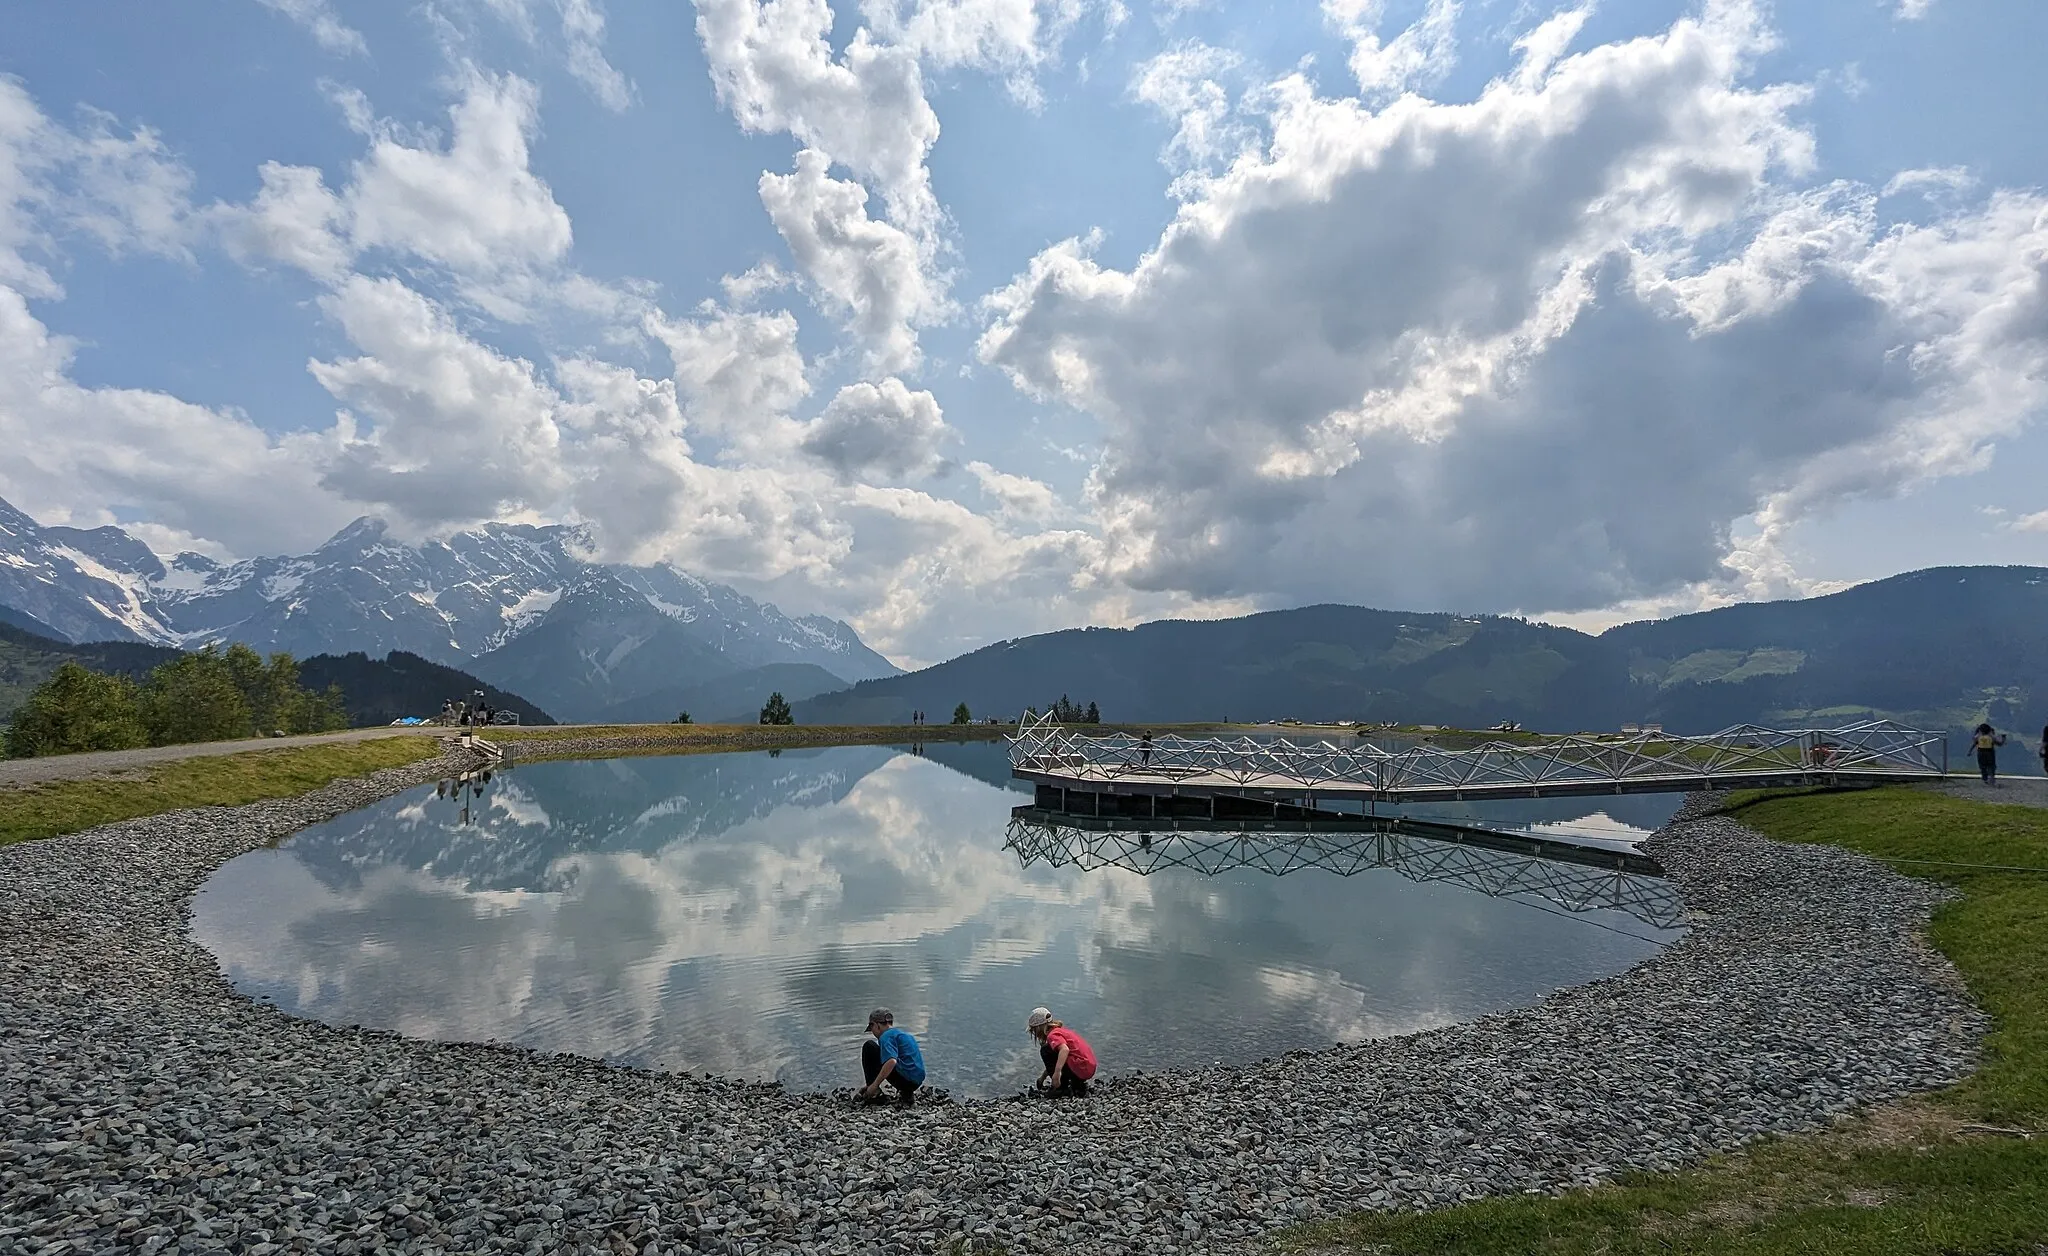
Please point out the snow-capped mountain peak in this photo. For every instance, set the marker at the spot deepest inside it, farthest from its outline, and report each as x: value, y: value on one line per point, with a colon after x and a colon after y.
x: 461, y: 600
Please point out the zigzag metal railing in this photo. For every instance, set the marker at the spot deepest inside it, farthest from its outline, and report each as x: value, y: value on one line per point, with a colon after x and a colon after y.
x: 1574, y: 887
x: 1876, y: 749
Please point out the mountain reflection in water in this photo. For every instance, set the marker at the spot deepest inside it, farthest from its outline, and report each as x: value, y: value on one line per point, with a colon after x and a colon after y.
x: 740, y: 913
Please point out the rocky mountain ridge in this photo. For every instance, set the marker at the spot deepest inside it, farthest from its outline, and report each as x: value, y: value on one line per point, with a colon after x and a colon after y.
x: 519, y: 605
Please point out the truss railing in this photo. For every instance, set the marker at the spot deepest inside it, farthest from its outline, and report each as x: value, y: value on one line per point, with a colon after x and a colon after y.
x: 1876, y: 750
x: 1572, y: 886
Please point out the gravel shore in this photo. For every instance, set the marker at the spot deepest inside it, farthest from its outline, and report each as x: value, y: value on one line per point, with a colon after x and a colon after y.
x: 147, y: 1106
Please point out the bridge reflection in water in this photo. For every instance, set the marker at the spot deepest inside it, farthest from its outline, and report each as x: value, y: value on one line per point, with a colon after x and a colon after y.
x: 1501, y: 864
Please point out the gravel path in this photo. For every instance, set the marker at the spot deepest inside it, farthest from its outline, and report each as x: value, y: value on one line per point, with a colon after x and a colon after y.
x: 149, y: 1107
x: 2022, y: 791
x: 67, y: 767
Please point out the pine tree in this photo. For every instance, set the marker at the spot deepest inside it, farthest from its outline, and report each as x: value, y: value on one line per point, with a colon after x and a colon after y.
x: 1094, y: 716
x: 776, y: 711
x: 961, y: 715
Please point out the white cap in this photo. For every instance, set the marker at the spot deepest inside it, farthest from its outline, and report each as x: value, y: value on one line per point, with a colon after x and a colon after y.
x: 1039, y: 1016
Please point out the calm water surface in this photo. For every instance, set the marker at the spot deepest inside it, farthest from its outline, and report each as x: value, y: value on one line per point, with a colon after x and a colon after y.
x: 740, y: 913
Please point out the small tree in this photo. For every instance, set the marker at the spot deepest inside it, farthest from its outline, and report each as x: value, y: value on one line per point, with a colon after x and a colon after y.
x: 195, y: 698
x: 776, y: 711
x: 75, y: 710
x: 324, y: 712
x: 1094, y: 716
x: 682, y: 718
x: 277, y: 702
x: 961, y: 715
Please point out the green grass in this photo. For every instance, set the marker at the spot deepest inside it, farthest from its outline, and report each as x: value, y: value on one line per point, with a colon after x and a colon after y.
x: 1910, y: 1178
x: 50, y: 808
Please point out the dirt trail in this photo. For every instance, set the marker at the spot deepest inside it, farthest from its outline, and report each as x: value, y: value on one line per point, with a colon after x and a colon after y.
x: 67, y: 767
x: 2023, y: 791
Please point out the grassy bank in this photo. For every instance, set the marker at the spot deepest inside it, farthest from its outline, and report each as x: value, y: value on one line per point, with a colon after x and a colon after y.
x: 50, y: 808
x: 1927, y: 1176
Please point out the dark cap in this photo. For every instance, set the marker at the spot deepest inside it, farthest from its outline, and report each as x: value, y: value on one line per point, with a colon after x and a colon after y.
x: 881, y: 1016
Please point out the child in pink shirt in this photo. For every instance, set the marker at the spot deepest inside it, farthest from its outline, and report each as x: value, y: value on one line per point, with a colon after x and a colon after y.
x: 1069, y: 1061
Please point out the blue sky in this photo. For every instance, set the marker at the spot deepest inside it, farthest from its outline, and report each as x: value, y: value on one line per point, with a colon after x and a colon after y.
x: 968, y: 318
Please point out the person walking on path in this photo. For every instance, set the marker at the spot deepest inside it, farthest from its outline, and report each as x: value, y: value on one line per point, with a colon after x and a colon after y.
x: 1069, y: 1060
x: 890, y: 1056
x: 1987, y: 740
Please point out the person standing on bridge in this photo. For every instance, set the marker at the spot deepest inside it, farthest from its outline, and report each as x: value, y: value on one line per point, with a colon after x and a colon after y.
x: 1145, y: 749
x: 1987, y: 740
x: 1069, y: 1061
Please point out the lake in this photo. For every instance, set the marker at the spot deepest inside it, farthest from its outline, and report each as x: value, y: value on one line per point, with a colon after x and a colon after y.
x: 739, y: 914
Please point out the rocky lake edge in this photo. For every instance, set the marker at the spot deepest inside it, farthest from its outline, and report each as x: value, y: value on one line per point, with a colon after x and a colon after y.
x: 151, y: 1106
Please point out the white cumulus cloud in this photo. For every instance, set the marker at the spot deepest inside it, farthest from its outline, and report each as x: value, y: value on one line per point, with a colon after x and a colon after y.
x: 318, y: 17
x: 885, y: 429
x: 474, y: 205
x: 1499, y: 354
x: 869, y: 272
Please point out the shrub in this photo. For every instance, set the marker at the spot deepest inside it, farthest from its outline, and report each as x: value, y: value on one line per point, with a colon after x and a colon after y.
x: 77, y: 709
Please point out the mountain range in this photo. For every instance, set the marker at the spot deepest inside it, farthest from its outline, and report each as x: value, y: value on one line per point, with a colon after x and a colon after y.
x: 517, y: 605
x: 519, y: 608
x: 1941, y: 648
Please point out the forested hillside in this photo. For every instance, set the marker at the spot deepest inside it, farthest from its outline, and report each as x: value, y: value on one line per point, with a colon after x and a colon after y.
x: 1941, y: 648
x: 27, y: 659
x: 379, y: 691
x: 727, y: 700
x: 374, y: 691
x: 1317, y: 663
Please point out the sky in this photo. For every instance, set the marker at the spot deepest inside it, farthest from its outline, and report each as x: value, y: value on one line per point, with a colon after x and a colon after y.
x: 968, y: 319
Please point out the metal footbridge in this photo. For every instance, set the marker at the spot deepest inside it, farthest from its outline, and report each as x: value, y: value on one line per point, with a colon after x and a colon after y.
x: 1226, y: 777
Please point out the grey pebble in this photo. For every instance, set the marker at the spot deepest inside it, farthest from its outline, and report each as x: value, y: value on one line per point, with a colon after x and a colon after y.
x: 149, y: 1107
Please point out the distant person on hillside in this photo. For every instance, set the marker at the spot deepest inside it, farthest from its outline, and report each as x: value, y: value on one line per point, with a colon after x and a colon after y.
x: 1069, y: 1061
x: 1987, y: 740
x: 891, y: 1056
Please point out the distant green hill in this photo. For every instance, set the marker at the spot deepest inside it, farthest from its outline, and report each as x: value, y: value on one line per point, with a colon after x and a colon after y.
x: 1316, y: 663
x: 27, y: 659
x: 1941, y: 648
x: 726, y: 700
x: 379, y: 691
x: 376, y: 691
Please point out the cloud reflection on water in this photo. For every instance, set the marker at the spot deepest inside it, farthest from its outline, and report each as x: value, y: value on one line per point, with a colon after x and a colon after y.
x: 739, y: 914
